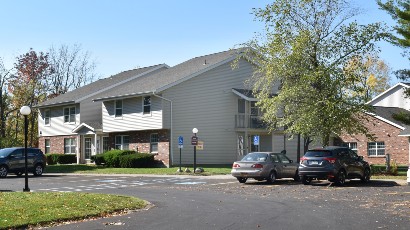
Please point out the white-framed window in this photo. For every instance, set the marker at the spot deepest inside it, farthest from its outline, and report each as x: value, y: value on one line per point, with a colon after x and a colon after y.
x: 351, y: 145
x: 255, y: 111
x: 105, y: 144
x: 69, y: 114
x: 47, y: 146
x: 47, y: 117
x: 118, y: 108
x: 122, y: 142
x: 69, y: 145
x: 146, y: 104
x: 376, y: 148
x: 154, y: 139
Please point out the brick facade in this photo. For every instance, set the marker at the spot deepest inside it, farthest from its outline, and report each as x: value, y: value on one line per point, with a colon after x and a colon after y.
x: 396, y: 146
x: 56, y: 143
x: 140, y: 141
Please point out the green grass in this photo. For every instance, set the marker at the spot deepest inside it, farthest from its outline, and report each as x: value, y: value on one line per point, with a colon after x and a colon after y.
x: 25, y: 209
x: 208, y: 170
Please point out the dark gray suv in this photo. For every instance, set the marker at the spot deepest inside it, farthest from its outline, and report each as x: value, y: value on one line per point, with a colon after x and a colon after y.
x: 13, y: 160
x: 333, y: 163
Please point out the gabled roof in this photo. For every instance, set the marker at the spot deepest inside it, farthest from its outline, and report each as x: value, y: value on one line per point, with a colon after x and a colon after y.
x: 386, y: 114
x: 99, y: 86
x: 170, y: 77
x: 400, y: 84
x: 93, y: 126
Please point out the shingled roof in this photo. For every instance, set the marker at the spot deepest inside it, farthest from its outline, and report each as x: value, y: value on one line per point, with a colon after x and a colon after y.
x: 169, y: 77
x: 99, y: 86
x: 386, y: 113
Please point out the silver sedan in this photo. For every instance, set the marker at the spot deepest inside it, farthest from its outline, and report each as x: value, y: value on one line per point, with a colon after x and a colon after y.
x: 264, y: 166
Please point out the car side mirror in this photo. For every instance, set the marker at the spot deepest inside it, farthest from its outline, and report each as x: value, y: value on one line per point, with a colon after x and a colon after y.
x: 290, y: 161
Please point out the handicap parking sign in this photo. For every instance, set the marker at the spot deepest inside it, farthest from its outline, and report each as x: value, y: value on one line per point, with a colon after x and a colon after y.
x: 256, y: 140
x: 180, y: 140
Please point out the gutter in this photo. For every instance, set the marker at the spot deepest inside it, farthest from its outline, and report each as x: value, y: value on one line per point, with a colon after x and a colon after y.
x: 171, y: 136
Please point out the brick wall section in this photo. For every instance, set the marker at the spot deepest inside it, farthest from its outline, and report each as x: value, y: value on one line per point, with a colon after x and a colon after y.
x: 141, y: 140
x: 56, y: 143
x: 397, y: 147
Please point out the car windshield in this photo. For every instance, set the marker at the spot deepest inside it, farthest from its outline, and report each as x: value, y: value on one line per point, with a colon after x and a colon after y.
x: 318, y: 153
x: 5, y: 152
x: 255, y: 157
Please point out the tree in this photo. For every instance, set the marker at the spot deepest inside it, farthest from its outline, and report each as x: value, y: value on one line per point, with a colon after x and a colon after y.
x: 304, y: 51
x: 72, y: 69
x: 4, y: 100
x: 400, y: 11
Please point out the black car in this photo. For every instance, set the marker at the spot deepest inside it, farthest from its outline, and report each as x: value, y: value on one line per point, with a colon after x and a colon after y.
x: 333, y: 163
x: 13, y: 160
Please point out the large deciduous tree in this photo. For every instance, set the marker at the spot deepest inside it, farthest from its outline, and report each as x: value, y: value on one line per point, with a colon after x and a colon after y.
x: 305, y: 49
x: 5, y: 101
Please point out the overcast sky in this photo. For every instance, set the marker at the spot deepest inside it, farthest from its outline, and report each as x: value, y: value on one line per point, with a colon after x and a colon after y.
x: 125, y: 34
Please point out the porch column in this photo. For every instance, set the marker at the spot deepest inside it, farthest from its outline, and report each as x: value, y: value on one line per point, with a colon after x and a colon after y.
x: 78, y: 149
x: 95, y: 144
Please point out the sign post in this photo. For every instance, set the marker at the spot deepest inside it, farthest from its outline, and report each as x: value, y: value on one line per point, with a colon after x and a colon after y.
x: 194, y: 142
x: 180, y: 146
x: 256, y: 141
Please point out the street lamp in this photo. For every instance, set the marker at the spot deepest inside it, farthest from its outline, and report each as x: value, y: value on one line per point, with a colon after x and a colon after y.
x: 194, y: 142
x: 25, y: 110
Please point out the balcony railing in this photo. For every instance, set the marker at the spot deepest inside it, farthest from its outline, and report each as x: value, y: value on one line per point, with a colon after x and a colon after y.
x: 249, y: 121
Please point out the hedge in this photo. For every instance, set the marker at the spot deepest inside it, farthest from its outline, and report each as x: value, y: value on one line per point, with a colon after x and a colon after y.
x: 138, y: 160
x: 56, y: 158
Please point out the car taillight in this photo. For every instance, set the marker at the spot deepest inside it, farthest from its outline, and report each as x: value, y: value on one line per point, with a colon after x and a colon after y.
x: 303, y: 159
x: 257, y: 166
x: 331, y: 160
x: 236, y: 166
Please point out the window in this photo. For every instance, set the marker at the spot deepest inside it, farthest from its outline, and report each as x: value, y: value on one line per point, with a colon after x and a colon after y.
x: 147, y: 105
x: 254, y: 109
x: 105, y: 145
x: 154, y: 142
x: 241, y: 105
x: 375, y: 148
x: 47, y: 146
x: 122, y: 142
x: 69, y: 115
x: 118, y: 108
x: 351, y: 145
x: 69, y: 145
x: 47, y: 115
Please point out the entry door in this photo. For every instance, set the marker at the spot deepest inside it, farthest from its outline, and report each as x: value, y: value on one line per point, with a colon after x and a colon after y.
x: 87, y: 148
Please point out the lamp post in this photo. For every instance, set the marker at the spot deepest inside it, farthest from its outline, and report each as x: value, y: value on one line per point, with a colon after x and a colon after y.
x: 25, y: 110
x: 194, y: 142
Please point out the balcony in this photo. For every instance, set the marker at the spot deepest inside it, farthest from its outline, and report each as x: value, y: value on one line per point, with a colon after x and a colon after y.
x: 246, y: 121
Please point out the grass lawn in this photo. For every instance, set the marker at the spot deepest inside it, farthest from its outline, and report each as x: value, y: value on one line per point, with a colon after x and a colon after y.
x: 157, y: 171
x: 26, y: 209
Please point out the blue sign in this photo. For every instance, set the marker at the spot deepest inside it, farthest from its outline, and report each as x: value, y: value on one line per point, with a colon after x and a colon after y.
x: 180, y: 140
x: 255, y: 140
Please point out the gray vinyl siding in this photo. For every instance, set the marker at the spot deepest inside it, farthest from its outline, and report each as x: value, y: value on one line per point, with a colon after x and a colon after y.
x: 90, y: 111
x: 393, y: 98
x: 132, y: 118
x: 206, y: 102
x: 57, y: 126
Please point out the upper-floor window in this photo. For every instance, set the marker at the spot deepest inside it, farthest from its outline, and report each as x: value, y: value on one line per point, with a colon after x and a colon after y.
x: 118, y: 108
x: 254, y: 109
x: 47, y: 115
x: 154, y: 139
x: 69, y: 115
x: 122, y: 142
x: 375, y: 148
x: 69, y: 145
x: 147, y: 105
x: 47, y: 146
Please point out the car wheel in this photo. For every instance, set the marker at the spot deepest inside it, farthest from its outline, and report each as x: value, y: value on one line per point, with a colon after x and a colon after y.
x: 272, y: 177
x: 306, y: 180
x: 3, y: 171
x: 19, y: 173
x: 366, y: 175
x: 341, y: 178
x: 296, y: 177
x: 242, y: 180
x: 38, y: 170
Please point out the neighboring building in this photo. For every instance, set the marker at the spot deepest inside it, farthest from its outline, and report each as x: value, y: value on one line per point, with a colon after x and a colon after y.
x: 392, y: 136
x: 72, y: 123
x: 148, y: 110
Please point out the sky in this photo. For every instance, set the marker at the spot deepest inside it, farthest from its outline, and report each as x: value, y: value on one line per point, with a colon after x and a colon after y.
x: 126, y: 34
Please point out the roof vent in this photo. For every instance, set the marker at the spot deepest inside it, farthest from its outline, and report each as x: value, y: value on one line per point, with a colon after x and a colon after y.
x: 205, y: 62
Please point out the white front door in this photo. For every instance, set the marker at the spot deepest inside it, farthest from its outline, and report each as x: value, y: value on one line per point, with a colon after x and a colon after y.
x: 87, y: 148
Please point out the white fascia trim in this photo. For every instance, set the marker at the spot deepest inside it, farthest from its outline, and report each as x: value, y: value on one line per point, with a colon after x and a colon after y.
x: 80, y: 126
x: 385, y: 120
x: 243, y: 96
x: 196, y: 74
x: 122, y: 82
x: 125, y: 96
x: 385, y: 92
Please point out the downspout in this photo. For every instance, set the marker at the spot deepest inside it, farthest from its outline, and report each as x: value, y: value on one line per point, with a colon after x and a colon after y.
x: 171, y: 137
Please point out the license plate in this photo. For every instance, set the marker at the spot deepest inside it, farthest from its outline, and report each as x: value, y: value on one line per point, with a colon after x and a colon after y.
x: 244, y: 174
x: 313, y: 162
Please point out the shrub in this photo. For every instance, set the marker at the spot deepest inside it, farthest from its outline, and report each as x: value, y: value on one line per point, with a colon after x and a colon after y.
x: 393, y: 168
x: 98, y: 159
x: 138, y: 160
x: 111, y: 158
x: 56, y: 158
